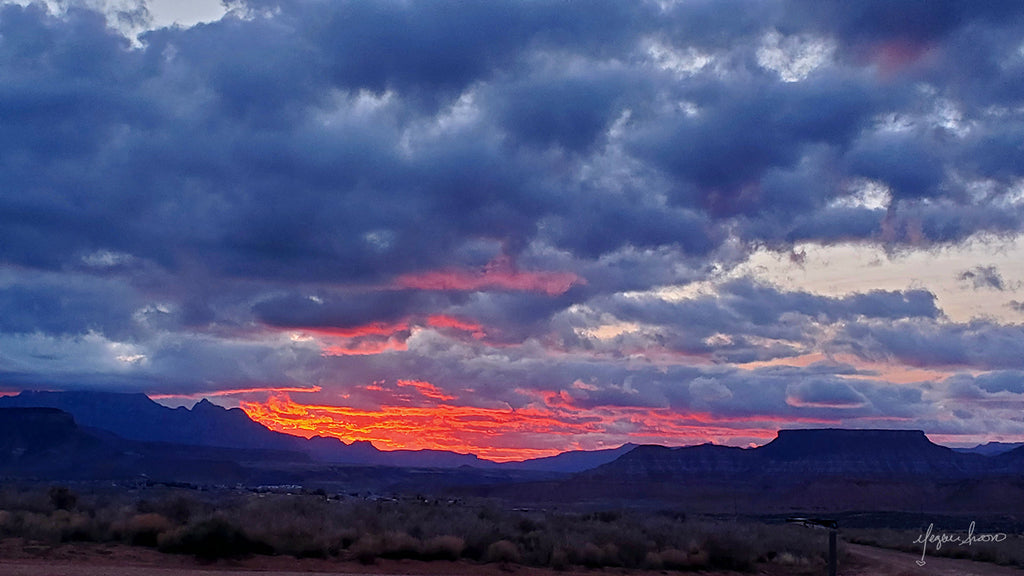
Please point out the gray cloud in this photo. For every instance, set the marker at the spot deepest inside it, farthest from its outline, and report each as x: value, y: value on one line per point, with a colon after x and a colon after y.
x: 171, y: 210
x: 983, y: 277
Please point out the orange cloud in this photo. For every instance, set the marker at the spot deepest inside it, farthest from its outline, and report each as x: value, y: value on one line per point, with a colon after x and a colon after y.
x: 373, y: 338
x: 426, y: 389
x: 546, y: 427
x: 445, y: 321
x: 893, y: 56
x: 462, y: 429
x: 374, y: 329
x: 499, y: 274
x: 364, y: 347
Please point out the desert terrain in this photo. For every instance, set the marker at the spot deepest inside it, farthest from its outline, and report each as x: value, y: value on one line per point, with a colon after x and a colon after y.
x: 23, y: 559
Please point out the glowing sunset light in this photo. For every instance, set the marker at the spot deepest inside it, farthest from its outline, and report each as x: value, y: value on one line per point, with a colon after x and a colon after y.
x: 897, y: 54
x: 365, y: 348
x: 426, y: 389
x: 499, y: 274
x: 374, y: 329
x: 445, y: 321
x: 506, y: 434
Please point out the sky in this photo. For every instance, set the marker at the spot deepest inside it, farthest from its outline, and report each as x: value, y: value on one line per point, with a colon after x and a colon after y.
x: 514, y: 228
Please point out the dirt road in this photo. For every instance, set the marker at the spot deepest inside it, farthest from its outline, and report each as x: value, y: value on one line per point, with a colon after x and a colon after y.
x: 870, y: 561
x: 126, y: 561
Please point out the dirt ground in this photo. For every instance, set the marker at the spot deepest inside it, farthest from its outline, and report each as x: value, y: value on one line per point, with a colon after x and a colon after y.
x: 18, y: 558
x: 870, y: 561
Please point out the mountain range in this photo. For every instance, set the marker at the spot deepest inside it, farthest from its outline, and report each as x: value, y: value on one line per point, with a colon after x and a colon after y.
x: 823, y: 470
x: 991, y: 448
x: 134, y: 416
x: 92, y: 435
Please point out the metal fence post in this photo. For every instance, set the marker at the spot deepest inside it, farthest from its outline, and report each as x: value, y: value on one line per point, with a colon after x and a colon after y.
x: 832, y: 552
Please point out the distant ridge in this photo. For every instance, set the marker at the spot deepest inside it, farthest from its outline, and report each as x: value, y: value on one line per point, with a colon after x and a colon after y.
x: 43, y: 442
x: 991, y: 448
x: 47, y: 444
x: 572, y: 461
x: 802, y: 470
x: 812, y: 453
x: 134, y: 416
x: 803, y: 443
x: 805, y: 470
x: 27, y: 431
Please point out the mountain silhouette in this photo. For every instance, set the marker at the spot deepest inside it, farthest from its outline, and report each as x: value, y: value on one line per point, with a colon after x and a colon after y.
x: 816, y: 453
x: 134, y: 416
x: 991, y: 448
x: 817, y: 470
x: 572, y: 461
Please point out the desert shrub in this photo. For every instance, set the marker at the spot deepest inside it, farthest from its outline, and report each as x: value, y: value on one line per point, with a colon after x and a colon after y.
x: 60, y: 526
x: 536, y: 547
x: 288, y: 531
x: 443, y: 548
x: 588, y: 554
x: 631, y: 548
x: 606, y: 516
x: 232, y: 523
x: 212, y: 539
x: 367, y: 549
x: 79, y: 528
x: 145, y: 529
x: 525, y: 524
x: 673, y: 559
x: 727, y: 552
x: 178, y: 509
x: 38, y: 527
x: 559, y: 559
x: 504, y: 551
x: 62, y: 498
x: 398, y: 545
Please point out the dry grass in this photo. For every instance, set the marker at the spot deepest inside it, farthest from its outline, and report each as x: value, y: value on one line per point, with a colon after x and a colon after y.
x: 235, y: 524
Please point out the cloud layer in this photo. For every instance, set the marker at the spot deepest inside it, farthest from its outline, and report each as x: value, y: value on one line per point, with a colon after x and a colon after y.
x: 535, y: 209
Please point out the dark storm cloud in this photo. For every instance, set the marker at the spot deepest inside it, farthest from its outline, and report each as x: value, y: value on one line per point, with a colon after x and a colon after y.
x: 345, y: 310
x: 52, y: 307
x: 742, y: 322
x: 824, y: 394
x: 981, y: 344
x: 253, y: 146
x: 172, y: 210
x: 998, y: 381
x: 754, y: 304
x: 923, y: 21
x: 747, y: 129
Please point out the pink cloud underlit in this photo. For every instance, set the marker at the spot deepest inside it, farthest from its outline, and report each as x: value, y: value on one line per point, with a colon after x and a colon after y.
x: 499, y: 274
